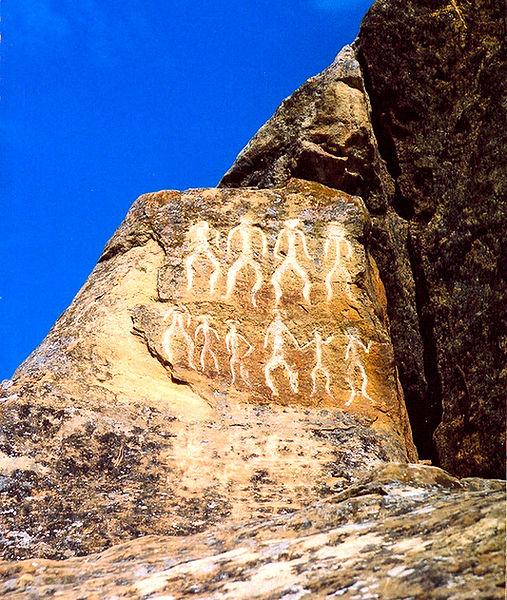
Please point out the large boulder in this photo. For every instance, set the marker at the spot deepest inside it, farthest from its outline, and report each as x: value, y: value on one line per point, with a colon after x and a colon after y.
x: 436, y: 75
x: 229, y: 358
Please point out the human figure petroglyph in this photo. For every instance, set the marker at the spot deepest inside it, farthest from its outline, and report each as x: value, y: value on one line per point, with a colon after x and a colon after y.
x: 338, y: 245
x: 199, y: 235
x: 355, y: 362
x: 247, y: 235
x: 233, y: 341
x: 207, y: 331
x: 181, y: 319
x: 289, y: 236
x: 318, y: 341
x: 277, y: 334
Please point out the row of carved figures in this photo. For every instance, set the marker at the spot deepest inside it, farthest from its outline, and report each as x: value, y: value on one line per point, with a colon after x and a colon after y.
x: 278, y: 338
x: 250, y: 242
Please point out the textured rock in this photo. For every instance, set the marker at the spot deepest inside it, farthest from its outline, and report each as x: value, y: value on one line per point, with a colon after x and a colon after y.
x: 200, y: 376
x: 405, y: 531
x: 218, y: 413
x: 323, y: 132
x: 434, y: 76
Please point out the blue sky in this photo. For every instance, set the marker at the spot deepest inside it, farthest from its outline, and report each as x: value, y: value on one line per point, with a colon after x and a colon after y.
x: 104, y: 101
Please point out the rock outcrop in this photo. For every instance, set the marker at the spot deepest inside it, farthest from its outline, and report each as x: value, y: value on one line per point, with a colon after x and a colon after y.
x: 437, y: 77
x: 406, y: 531
x: 412, y: 120
x: 229, y: 358
x: 218, y: 414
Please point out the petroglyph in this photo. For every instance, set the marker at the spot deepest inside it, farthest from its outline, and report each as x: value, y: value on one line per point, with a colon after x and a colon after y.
x: 355, y: 363
x: 246, y: 235
x: 276, y: 335
x: 288, y: 239
x: 199, y: 236
x: 233, y: 343
x: 318, y: 341
x: 176, y: 334
x: 207, y: 332
x: 337, y: 245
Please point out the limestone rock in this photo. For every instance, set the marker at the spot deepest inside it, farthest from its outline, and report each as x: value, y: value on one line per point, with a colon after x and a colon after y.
x: 403, y: 531
x: 228, y: 358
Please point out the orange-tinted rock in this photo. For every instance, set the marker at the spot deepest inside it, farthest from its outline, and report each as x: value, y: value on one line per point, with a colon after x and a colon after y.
x: 228, y: 358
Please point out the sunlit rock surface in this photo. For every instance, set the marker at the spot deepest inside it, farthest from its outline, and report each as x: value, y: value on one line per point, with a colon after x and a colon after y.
x: 228, y: 358
x: 405, y: 531
x: 218, y: 413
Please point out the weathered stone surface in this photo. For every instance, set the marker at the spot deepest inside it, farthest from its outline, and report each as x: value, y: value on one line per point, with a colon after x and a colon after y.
x: 228, y: 358
x: 405, y: 531
x: 434, y: 76
x: 323, y: 132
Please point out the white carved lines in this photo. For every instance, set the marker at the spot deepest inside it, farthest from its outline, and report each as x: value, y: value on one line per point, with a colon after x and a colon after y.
x: 176, y: 333
x: 337, y: 245
x: 207, y: 332
x: 199, y: 236
x: 243, y: 251
x: 354, y: 363
x: 246, y: 234
x: 233, y: 343
x: 276, y: 335
x: 287, y: 239
x: 318, y: 341
x: 249, y: 243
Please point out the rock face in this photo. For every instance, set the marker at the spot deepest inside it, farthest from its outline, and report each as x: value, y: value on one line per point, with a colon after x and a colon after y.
x: 420, y: 94
x: 436, y: 77
x: 406, y: 531
x: 229, y: 358
x: 218, y: 413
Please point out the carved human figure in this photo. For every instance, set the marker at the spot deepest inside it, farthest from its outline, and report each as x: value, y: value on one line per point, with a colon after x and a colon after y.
x: 288, y: 238
x: 176, y: 334
x: 234, y: 342
x: 277, y: 334
x: 199, y: 235
x: 318, y: 341
x: 339, y: 247
x: 354, y: 363
x: 207, y: 331
x: 246, y: 236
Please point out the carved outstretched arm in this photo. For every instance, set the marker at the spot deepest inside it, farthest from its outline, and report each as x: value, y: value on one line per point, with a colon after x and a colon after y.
x: 278, y: 245
x: 198, y: 329
x: 303, y: 243
x: 266, y: 337
x: 348, y: 349
x: 230, y: 236
x: 250, y: 347
x: 307, y: 345
x: 215, y: 333
x: 228, y: 342
x: 364, y: 347
x: 264, y: 242
x: 292, y: 337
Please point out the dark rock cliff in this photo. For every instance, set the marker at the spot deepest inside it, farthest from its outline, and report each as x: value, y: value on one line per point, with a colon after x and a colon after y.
x: 411, y: 119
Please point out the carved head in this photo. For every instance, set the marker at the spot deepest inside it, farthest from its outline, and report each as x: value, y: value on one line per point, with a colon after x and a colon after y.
x: 199, y: 230
x: 292, y: 223
x: 335, y: 230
